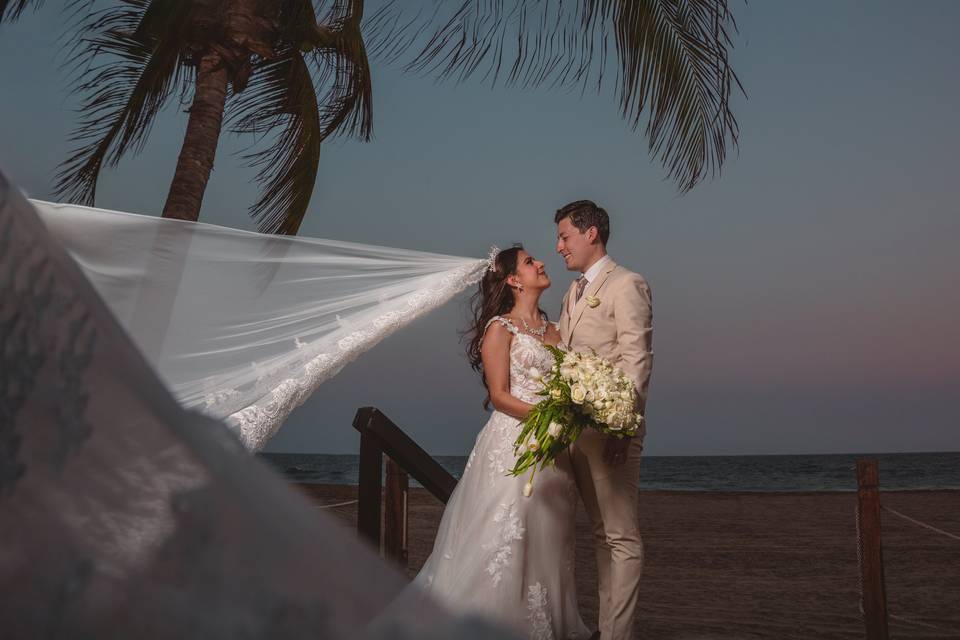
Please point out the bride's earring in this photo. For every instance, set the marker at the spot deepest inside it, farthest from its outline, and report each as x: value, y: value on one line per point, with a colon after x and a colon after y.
x: 519, y: 287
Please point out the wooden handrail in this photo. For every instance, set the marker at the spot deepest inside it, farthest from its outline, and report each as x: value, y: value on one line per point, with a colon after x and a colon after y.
x: 380, y: 437
x: 405, y: 452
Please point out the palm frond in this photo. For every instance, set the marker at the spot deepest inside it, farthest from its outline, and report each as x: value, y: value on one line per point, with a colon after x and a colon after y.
x: 671, y: 58
x: 127, y: 64
x: 310, y: 98
x: 525, y: 43
x: 281, y: 94
x: 11, y: 10
x: 340, y: 66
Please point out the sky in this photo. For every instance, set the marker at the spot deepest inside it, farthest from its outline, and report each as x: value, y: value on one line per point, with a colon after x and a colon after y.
x: 805, y: 301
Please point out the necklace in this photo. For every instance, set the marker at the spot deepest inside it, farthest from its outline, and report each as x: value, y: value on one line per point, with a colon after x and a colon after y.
x: 534, y: 332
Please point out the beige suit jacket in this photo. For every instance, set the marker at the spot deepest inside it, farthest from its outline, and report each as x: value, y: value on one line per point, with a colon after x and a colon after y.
x: 619, y: 328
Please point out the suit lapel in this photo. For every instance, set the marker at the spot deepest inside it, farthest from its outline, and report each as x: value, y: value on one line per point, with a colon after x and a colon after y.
x: 591, y: 290
x: 565, y: 311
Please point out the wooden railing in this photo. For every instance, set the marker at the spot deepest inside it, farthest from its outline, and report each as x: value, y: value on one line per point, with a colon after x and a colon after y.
x: 380, y: 438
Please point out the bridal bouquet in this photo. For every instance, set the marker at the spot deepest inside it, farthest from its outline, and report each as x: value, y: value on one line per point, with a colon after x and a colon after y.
x: 580, y: 391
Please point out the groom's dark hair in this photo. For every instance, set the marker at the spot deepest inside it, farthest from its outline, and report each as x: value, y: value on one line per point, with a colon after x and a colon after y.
x: 584, y: 214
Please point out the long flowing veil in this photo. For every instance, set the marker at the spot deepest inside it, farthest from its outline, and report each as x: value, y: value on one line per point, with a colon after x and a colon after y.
x: 244, y: 326
x: 123, y: 515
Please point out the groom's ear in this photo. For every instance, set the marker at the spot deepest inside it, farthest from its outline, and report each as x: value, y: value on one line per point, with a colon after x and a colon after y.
x: 592, y: 234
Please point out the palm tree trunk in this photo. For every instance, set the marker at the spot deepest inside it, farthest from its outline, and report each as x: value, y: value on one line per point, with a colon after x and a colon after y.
x: 200, y: 142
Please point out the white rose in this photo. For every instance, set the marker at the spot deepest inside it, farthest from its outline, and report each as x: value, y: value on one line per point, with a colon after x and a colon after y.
x: 528, y: 490
x: 533, y: 445
x: 556, y: 393
x: 555, y: 430
x: 578, y: 394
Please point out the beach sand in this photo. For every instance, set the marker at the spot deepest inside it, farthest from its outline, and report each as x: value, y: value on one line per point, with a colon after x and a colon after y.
x: 757, y: 565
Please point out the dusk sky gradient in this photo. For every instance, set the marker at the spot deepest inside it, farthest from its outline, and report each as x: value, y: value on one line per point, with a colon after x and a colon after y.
x: 805, y: 301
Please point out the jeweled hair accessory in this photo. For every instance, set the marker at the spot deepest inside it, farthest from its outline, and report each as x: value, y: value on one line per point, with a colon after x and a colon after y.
x: 492, y: 258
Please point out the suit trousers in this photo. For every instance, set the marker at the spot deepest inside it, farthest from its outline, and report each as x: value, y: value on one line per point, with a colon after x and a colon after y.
x: 610, y: 494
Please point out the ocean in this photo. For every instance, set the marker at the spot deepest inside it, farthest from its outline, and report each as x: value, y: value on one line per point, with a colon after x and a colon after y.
x: 831, y: 472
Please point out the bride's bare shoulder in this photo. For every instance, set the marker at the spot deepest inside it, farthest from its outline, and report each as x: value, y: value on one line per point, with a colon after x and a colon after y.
x: 498, y: 331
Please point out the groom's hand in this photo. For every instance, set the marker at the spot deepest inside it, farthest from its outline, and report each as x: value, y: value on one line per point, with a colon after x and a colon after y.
x: 615, y: 451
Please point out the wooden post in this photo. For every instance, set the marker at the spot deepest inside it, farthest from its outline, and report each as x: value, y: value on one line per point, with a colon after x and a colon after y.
x: 405, y: 452
x: 380, y: 437
x: 871, y: 554
x: 368, y: 494
x: 395, y: 514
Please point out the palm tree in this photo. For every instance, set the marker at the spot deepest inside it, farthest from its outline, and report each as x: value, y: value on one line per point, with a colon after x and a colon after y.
x: 298, y: 72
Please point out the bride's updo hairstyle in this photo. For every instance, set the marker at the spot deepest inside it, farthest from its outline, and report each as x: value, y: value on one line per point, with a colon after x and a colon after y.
x: 493, y: 298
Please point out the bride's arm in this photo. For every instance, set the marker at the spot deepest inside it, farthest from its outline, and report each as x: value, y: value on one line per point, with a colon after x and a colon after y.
x: 495, y: 352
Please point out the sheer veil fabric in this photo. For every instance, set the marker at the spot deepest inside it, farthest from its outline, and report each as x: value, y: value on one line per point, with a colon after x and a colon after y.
x: 244, y: 326
x: 124, y: 515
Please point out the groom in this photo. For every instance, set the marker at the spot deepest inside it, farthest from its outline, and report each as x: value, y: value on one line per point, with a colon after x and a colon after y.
x: 608, y: 309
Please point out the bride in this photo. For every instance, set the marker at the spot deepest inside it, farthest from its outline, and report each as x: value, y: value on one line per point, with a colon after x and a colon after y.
x: 497, y: 552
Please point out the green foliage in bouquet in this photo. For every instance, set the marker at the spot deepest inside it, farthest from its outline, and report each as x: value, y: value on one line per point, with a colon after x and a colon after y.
x: 580, y: 391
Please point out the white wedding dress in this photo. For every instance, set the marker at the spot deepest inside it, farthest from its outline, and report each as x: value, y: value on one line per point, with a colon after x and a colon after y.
x: 498, y: 553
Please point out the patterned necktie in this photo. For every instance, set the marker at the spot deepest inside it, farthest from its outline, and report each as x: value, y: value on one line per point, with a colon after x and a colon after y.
x: 581, y: 285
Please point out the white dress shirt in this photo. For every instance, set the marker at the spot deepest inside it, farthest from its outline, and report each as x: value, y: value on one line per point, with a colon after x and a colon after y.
x: 592, y: 273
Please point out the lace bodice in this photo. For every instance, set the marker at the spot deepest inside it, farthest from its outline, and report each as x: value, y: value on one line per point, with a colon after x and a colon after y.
x: 526, y: 353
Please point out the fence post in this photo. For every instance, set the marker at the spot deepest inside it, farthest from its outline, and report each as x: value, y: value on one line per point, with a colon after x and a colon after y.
x: 395, y: 514
x: 368, y: 494
x: 871, y: 553
x: 380, y: 438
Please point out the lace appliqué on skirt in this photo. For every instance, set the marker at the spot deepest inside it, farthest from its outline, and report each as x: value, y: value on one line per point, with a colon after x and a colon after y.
x: 510, y: 530
x: 540, y: 625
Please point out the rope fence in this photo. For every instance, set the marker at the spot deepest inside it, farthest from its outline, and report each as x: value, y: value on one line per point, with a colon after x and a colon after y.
x: 873, y: 597
x: 920, y: 524
x: 925, y: 525
x: 338, y: 504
